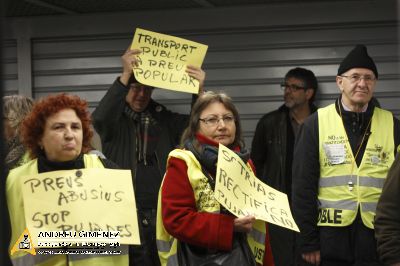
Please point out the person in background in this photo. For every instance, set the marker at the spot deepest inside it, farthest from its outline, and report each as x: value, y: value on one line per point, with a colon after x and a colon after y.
x: 342, y: 156
x: 387, y: 219
x: 15, y: 108
x: 192, y: 227
x: 57, y: 135
x: 137, y: 133
x: 272, y: 150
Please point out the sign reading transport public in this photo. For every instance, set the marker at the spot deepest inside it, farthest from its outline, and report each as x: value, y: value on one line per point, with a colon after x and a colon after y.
x: 163, y: 60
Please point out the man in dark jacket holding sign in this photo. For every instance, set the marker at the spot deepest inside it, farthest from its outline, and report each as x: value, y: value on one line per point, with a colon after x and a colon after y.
x: 137, y: 133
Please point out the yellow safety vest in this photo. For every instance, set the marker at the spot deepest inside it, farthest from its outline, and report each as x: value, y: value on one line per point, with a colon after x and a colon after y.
x: 167, y: 244
x: 17, y: 216
x: 343, y: 186
x: 23, y: 160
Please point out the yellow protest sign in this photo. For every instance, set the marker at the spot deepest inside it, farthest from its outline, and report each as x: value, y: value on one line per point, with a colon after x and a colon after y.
x: 92, y: 199
x: 242, y: 193
x: 163, y: 60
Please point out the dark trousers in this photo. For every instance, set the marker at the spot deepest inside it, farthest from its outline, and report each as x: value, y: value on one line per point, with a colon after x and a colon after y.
x: 283, y: 246
x: 146, y: 253
x: 353, y: 245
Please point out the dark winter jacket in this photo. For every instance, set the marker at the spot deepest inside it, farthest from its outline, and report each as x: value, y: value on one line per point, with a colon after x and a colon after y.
x: 387, y: 219
x: 272, y: 155
x: 269, y: 148
x: 117, y: 130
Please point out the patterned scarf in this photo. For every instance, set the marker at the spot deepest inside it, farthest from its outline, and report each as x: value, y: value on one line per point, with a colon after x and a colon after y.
x: 207, y: 155
x: 144, y: 122
x: 15, y: 151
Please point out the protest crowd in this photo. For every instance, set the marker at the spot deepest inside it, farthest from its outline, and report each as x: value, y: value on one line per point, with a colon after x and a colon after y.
x: 318, y: 186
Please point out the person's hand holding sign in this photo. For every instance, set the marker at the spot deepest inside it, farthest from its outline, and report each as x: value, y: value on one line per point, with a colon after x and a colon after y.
x: 169, y: 62
x: 129, y: 61
x: 244, y: 224
x: 197, y: 73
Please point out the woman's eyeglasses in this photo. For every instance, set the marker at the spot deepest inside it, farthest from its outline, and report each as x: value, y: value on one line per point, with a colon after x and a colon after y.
x: 214, y: 121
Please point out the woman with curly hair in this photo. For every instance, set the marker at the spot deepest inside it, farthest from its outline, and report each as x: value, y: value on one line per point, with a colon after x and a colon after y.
x: 57, y: 135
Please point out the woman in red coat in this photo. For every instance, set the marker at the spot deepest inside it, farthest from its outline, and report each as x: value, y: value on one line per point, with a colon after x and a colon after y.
x: 192, y: 227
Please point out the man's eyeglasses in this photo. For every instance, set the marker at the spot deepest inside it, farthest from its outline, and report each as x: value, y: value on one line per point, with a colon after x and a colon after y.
x: 355, y: 78
x: 291, y: 87
x: 214, y: 121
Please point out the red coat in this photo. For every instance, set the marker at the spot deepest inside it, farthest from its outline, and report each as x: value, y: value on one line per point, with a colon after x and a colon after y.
x: 180, y: 216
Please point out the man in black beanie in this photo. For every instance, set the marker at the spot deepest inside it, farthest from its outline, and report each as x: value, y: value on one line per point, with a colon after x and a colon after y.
x: 341, y: 159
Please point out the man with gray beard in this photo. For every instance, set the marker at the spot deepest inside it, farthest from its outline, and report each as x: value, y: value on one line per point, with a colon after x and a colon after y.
x: 272, y: 149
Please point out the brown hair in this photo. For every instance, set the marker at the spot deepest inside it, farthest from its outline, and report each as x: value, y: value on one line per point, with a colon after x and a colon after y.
x: 202, y: 103
x: 33, y: 126
x: 15, y: 108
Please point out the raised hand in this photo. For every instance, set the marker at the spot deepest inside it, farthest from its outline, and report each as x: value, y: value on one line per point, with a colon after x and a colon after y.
x: 197, y: 73
x: 129, y: 61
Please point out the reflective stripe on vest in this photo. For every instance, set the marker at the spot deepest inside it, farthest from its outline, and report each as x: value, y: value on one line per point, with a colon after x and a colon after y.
x: 173, y: 260
x: 257, y: 235
x: 343, y: 186
x: 164, y: 246
x: 18, y: 224
x: 338, y: 204
x: 167, y: 245
x: 368, y: 206
x: 366, y: 181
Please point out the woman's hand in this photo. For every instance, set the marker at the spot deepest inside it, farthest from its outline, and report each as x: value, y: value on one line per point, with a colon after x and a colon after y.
x: 244, y: 224
x: 197, y: 73
x: 129, y: 61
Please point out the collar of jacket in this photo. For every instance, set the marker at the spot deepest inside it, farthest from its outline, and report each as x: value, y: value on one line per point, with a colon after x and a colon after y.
x: 371, y: 105
x: 283, y: 108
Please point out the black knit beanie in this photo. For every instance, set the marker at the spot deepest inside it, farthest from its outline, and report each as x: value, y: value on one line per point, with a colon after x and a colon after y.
x: 357, y: 58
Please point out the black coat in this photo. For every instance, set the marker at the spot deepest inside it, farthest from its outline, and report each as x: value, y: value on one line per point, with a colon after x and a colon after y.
x: 117, y: 130
x: 272, y: 155
x: 387, y: 219
x: 269, y: 149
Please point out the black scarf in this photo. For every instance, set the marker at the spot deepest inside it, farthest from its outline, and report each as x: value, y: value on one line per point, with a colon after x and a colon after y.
x: 44, y: 165
x: 207, y: 155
